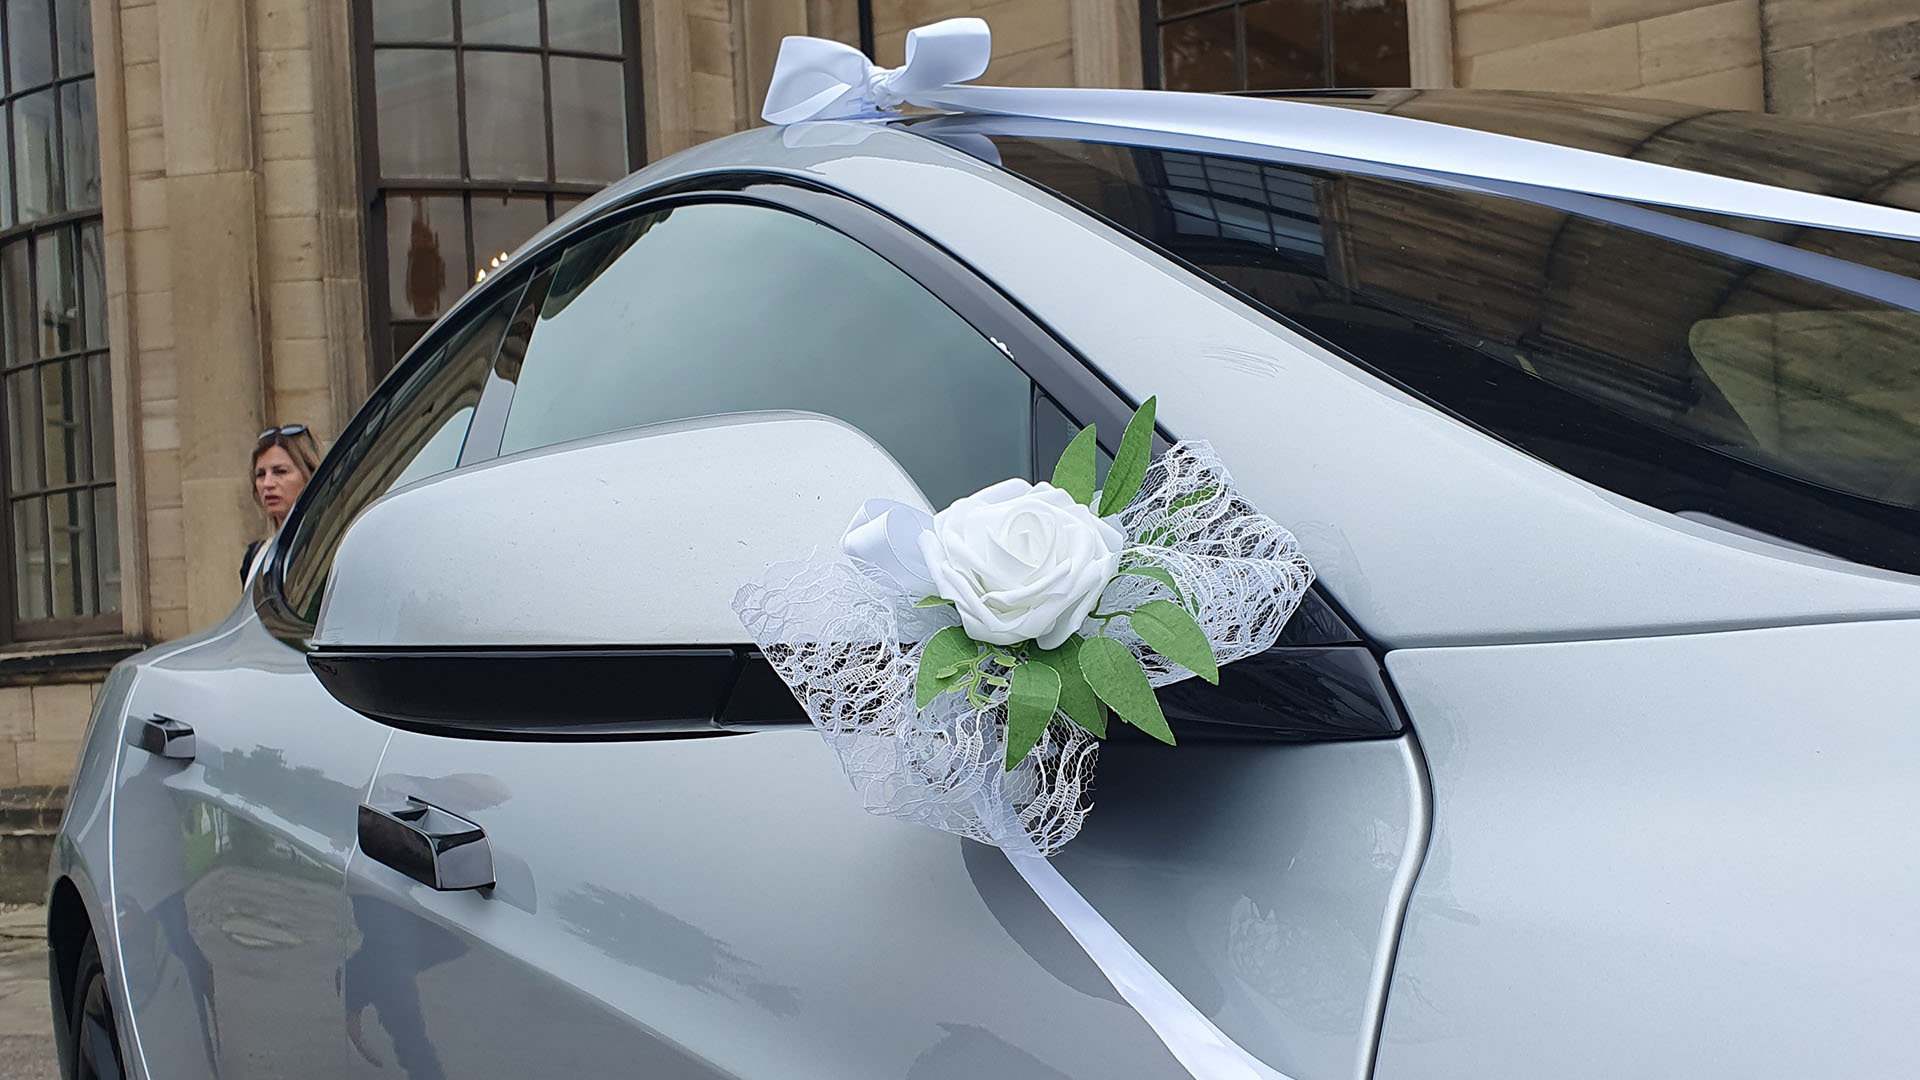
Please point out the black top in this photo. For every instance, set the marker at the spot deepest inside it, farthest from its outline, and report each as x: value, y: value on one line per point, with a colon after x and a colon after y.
x: 246, y: 561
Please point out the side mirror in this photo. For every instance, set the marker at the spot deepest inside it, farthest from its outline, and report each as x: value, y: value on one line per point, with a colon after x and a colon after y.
x: 585, y: 589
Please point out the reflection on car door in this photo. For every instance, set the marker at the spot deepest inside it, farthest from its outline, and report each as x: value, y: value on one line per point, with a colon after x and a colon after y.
x: 229, y: 840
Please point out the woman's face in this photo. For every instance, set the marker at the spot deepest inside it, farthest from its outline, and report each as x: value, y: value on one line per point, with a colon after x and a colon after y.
x: 277, y: 482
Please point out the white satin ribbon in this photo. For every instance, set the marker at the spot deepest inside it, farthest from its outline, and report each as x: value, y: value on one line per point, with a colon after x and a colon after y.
x: 815, y: 79
x: 1196, y: 1043
x: 885, y: 536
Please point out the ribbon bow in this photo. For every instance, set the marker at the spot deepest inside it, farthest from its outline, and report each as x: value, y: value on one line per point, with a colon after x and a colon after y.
x: 818, y: 79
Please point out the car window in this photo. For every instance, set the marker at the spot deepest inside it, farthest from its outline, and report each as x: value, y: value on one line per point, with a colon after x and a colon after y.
x: 1780, y: 397
x: 413, y: 429
x: 714, y: 308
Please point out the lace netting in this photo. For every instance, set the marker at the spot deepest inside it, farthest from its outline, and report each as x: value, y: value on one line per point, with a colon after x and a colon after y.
x: 848, y: 646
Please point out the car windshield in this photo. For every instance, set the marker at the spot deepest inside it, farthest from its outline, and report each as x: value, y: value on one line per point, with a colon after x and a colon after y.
x: 1757, y: 377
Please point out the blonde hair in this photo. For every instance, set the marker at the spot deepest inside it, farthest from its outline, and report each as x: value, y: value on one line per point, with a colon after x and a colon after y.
x: 300, y: 447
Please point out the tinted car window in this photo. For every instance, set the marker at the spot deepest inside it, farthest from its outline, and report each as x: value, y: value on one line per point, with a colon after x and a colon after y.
x: 1728, y: 390
x: 728, y: 307
x: 412, y: 429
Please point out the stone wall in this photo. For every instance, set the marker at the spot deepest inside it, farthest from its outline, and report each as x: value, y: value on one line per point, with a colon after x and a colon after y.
x: 1857, y: 60
x: 1705, y: 52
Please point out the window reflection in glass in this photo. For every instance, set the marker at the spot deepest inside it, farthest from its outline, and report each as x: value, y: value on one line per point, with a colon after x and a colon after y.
x: 587, y: 25
x: 1285, y: 44
x: 500, y: 22
x: 29, y: 44
x: 412, y: 20
x: 58, y: 310
x: 506, y: 122
x: 1370, y: 43
x: 16, y: 297
x: 643, y: 325
x: 30, y: 558
x: 589, y: 120
x: 414, y: 97
x: 1198, y: 53
x: 75, y: 36
x: 81, y: 145
x: 35, y: 155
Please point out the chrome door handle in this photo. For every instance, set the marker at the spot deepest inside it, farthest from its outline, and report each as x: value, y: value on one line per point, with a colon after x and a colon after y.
x: 433, y: 847
x: 162, y: 737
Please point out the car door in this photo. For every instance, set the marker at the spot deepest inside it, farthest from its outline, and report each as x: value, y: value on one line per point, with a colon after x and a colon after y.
x: 693, y: 906
x: 233, y: 814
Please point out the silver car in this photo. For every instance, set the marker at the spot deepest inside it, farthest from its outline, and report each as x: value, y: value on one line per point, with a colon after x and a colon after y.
x: 1593, y: 753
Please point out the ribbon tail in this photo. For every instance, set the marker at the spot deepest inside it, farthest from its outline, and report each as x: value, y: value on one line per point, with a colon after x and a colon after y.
x: 1203, y: 1049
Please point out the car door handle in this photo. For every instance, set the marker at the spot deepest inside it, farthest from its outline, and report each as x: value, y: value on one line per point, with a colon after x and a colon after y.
x: 438, y: 849
x: 162, y: 737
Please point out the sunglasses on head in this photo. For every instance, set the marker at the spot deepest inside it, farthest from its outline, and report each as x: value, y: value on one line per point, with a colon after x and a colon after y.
x: 289, y: 430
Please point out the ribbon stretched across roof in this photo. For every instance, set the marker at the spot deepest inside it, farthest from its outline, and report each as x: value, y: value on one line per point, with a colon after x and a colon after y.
x: 816, y: 79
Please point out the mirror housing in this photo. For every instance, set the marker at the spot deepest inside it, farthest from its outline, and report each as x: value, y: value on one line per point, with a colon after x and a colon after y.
x: 585, y: 589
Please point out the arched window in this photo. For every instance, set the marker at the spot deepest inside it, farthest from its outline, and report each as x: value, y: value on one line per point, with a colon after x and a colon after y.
x: 1275, y: 44
x: 482, y: 120
x: 63, y: 556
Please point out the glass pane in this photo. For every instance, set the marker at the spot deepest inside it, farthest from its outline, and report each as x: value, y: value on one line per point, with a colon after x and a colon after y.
x: 106, y: 531
x: 6, y: 171
x: 417, y: 114
x: 66, y: 444
x: 81, y: 139
x: 30, y: 559
x: 34, y: 156
x: 643, y: 325
x: 587, y: 25
x: 70, y: 526
x: 502, y: 22
x: 76, y: 36
x: 562, y: 204
x: 506, y: 117
x: 426, y: 254
x: 93, y: 289
x: 100, y: 415
x: 23, y: 419
x: 16, y: 302
x: 59, y: 300
x: 412, y: 20
x: 419, y: 414
x: 1173, y: 8
x: 1286, y: 44
x: 29, y: 43
x: 1197, y: 53
x: 404, y: 336
x: 589, y: 120
x: 501, y: 224
x: 1370, y: 43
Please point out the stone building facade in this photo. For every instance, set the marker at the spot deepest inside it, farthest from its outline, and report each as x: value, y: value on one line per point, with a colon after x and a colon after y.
x: 221, y: 215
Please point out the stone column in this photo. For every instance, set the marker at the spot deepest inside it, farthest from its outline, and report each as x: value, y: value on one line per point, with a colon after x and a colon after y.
x: 212, y: 181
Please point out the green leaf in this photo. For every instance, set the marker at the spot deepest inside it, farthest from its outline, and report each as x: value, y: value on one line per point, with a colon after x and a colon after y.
x: 1117, y: 677
x: 1031, y: 699
x: 1077, y: 699
x: 1156, y: 573
x: 933, y: 601
x: 1194, y: 498
x: 1167, y: 628
x: 947, y: 654
x: 1074, y: 473
x: 1129, y: 462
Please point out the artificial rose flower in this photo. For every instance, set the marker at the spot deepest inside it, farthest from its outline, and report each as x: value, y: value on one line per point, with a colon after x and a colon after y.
x: 1021, y: 561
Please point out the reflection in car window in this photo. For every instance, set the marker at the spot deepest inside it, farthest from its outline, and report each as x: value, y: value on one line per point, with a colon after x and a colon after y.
x: 412, y: 430
x: 1687, y: 379
x: 728, y: 307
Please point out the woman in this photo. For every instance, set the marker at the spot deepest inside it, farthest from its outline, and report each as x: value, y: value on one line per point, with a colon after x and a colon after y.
x: 283, y: 461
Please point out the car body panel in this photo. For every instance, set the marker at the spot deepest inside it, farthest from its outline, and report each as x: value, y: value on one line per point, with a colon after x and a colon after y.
x: 701, y: 888
x: 228, y: 867
x: 1682, y: 856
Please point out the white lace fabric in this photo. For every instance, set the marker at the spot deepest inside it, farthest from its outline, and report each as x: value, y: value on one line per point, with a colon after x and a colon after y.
x: 849, y: 646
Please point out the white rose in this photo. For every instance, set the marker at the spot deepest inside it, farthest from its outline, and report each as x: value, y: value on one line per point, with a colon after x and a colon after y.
x: 1021, y: 561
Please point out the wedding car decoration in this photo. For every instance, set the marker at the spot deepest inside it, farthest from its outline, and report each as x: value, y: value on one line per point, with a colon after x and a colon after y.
x: 963, y: 665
